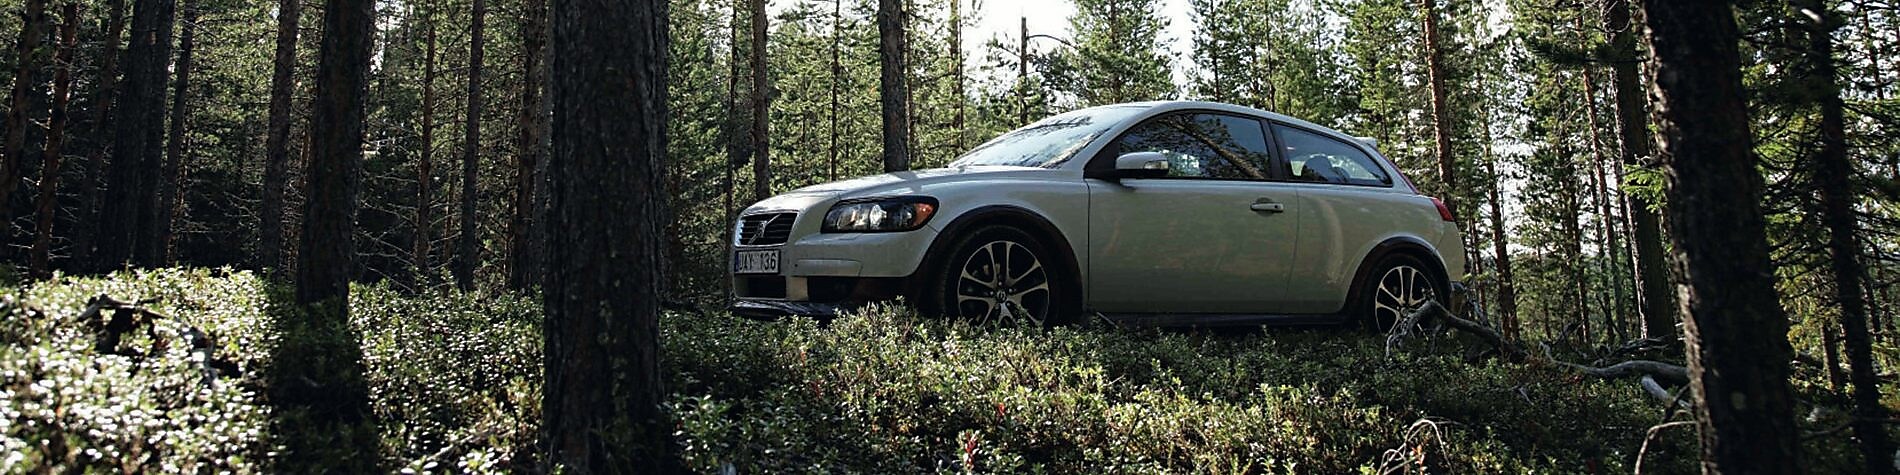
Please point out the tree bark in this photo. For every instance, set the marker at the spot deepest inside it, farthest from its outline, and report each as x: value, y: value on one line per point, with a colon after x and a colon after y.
x: 1834, y: 177
x: 837, y: 72
x: 893, y: 92
x: 171, y: 185
x: 1441, y: 108
x: 326, y: 251
x: 27, y: 51
x: 467, y: 254
x: 40, y: 261
x: 1737, y: 331
x: 88, y: 228
x: 957, y: 75
x: 425, y: 172
x: 1656, y: 300
x: 270, y: 233
x: 524, y: 264
x: 1500, y: 244
x: 138, y: 142
x: 761, y: 108
x: 602, y: 406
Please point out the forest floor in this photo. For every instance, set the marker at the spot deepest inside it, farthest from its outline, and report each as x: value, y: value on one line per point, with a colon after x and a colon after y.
x: 454, y: 382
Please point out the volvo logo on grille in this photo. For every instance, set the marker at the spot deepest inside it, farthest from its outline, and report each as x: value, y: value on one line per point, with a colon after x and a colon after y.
x: 757, y: 231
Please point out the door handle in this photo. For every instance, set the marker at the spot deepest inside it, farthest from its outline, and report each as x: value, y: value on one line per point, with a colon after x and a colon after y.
x: 1268, y: 207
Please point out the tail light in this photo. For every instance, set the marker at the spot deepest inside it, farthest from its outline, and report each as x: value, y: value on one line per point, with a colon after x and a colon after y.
x: 1443, y: 211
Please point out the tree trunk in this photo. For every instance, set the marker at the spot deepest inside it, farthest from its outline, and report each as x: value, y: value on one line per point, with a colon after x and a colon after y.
x: 524, y: 263
x: 602, y: 406
x: 1500, y: 246
x: 957, y: 75
x: 270, y: 233
x: 1834, y: 177
x: 124, y: 221
x: 425, y: 172
x: 1736, y: 329
x: 837, y: 72
x: 338, y: 403
x: 1599, y: 198
x: 40, y: 262
x: 32, y: 31
x: 1441, y: 109
x: 892, y: 92
x: 88, y: 228
x: 171, y: 185
x: 1656, y: 299
x: 467, y: 254
x: 761, y: 108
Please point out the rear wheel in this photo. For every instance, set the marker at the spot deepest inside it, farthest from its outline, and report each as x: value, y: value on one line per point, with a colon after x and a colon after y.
x: 998, y: 274
x: 1397, y: 287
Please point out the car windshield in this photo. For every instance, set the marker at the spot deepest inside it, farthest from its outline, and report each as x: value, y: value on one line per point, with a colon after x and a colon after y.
x: 1049, y: 141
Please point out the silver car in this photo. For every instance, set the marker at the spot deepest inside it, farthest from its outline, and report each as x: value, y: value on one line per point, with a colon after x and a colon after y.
x: 1166, y: 213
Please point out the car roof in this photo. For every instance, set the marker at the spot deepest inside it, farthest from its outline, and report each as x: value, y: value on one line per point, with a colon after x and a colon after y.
x: 1225, y: 107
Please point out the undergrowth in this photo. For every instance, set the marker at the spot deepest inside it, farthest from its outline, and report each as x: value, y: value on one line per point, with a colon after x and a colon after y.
x: 453, y: 382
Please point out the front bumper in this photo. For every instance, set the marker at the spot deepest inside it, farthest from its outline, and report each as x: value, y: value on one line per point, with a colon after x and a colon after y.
x: 834, y: 269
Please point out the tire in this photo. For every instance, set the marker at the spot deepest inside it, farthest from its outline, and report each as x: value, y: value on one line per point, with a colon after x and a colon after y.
x: 965, y: 284
x: 1397, y: 286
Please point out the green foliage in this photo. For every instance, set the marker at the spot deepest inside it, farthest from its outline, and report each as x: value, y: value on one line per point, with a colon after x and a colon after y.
x: 1117, y: 55
x: 888, y: 392
x: 453, y: 379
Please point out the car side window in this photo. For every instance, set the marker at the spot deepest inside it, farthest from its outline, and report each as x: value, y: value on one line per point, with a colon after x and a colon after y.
x: 1318, y: 158
x: 1200, y: 145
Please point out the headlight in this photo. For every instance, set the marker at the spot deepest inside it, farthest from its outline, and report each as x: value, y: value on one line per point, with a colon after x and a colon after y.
x: 880, y: 215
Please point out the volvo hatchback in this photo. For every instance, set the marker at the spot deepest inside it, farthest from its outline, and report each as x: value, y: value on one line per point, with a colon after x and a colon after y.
x: 1167, y: 213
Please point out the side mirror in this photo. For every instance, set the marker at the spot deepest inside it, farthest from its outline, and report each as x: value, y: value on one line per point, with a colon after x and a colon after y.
x: 1137, y: 165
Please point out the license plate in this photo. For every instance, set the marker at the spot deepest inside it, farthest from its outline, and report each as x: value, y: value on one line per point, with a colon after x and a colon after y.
x: 755, y: 262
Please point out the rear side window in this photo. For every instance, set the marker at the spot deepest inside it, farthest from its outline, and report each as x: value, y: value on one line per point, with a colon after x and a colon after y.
x: 1202, y: 145
x: 1318, y: 158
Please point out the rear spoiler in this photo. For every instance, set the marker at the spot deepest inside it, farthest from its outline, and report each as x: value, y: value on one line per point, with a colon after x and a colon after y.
x: 1369, y: 142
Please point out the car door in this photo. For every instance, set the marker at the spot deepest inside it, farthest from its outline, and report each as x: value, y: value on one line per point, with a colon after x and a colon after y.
x: 1214, y: 236
x: 1348, y: 205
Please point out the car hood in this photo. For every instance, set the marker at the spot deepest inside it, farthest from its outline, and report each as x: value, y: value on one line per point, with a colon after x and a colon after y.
x: 888, y: 184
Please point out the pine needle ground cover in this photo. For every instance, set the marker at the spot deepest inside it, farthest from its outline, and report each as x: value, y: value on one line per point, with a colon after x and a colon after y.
x: 454, y: 383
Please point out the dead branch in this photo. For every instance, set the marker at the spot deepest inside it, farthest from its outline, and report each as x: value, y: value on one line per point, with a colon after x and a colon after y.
x: 1432, y: 310
x: 1675, y: 375
x: 1653, y: 431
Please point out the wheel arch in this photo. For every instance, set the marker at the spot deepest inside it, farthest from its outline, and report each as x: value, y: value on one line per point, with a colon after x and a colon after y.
x: 1397, y: 245
x: 1008, y: 215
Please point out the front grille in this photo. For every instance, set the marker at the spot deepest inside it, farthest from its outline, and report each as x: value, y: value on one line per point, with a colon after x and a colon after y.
x: 764, y: 229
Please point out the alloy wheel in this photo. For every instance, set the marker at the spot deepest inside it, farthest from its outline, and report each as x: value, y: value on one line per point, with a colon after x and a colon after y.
x: 1402, y: 290
x: 1003, y: 281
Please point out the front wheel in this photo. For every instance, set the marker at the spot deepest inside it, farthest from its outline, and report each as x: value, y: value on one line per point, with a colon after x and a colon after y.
x: 1397, y: 287
x: 998, y: 274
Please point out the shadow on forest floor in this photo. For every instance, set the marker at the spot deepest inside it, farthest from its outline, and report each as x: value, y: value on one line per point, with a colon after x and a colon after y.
x: 321, y: 419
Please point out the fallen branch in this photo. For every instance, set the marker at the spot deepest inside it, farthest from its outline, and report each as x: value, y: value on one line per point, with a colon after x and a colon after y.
x: 1674, y: 375
x: 1431, y: 309
x: 1638, y: 469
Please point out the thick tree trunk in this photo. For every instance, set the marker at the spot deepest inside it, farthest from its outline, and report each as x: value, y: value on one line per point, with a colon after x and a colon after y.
x: 32, y: 32
x: 1656, y: 298
x: 1441, y: 108
x: 138, y: 143
x: 338, y: 403
x: 425, y: 172
x: 761, y: 107
x: 893, y: 92
x: 270, y: 233
x: 171, y: 185
x: 48, y: 205
x: 524, y: 267
x: 87, y: 231
x: 467, y: 254
x: 1834, y: 177
x: 326, y: 250
x: 602, y: 407
x: 1737, y: 331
